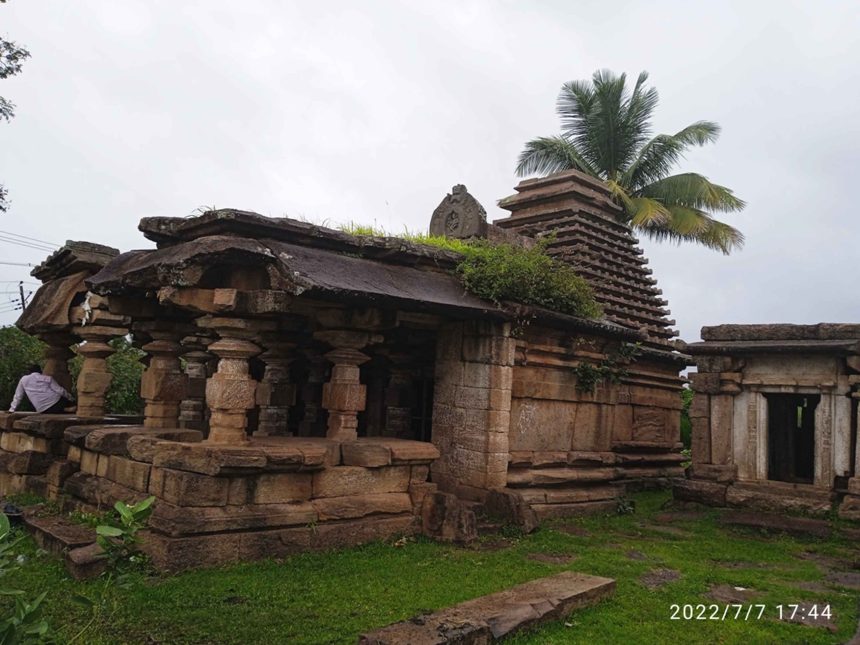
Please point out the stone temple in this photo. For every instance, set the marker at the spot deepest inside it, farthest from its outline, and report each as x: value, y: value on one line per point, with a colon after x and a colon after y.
x: 775, y: 418
x: 306, y: 388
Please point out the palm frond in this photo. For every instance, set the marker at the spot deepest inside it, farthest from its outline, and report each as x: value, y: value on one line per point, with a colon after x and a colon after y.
x: 659, y: 155
x: 692, y: 225
x: 699, y: 133
x: 692, y: 190
x: 644, y: 211
x: 546, y: 155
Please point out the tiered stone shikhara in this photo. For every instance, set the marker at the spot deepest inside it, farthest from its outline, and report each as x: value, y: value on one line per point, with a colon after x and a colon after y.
x: 307, y: 388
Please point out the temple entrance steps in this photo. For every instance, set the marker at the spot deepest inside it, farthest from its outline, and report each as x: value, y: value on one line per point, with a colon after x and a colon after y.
x: 495, y: 616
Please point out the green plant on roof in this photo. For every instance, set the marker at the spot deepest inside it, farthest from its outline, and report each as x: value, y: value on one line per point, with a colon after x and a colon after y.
x: 506, y: 273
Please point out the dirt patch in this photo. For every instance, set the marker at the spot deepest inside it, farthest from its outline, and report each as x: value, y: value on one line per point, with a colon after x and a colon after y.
x: 495, y: 544
x: 659, y: 577
x: 574, y: 529
x: 778, y: 523
x: 803, y: 617
x: 850, y: 579
x: 551, y: 558
x: 826, y: 563
x: 739, y: 565
x: 678, y: 516
x: 668, y: 531
x: 727, y: 594
x: 636, y: 555
x: 812, y: 585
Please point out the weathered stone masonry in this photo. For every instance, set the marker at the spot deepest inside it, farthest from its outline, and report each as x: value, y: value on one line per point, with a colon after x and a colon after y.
x: 339, y: 389
x: 775, y: 418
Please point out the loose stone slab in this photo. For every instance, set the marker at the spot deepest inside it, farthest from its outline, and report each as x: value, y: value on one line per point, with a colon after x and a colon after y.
x: 497, y: 615
x: 778, y: 523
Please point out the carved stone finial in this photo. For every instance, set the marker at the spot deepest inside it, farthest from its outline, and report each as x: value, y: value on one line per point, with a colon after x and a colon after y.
x: 459, y: 215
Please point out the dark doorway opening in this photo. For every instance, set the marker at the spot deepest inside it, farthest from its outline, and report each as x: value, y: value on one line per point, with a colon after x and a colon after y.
x: 791, y: 437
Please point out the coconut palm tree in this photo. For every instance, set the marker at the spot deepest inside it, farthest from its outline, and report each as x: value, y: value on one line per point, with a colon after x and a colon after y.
x: 606, y: 133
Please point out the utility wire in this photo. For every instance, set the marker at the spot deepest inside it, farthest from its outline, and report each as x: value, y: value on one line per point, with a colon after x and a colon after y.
x: 19, y: 264
x: 29, y: 245
x: 32, y: 239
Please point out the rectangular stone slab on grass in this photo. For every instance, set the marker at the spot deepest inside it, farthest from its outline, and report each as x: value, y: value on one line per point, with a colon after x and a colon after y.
x: 497, y: 615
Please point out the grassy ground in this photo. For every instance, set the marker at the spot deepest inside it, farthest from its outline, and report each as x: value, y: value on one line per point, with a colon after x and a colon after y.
x: 332, y: 597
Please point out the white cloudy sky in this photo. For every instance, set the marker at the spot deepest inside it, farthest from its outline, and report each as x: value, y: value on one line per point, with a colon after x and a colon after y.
x: 371, y: 111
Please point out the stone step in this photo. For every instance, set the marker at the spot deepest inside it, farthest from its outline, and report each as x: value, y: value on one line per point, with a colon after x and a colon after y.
x: 58, y: 535
x: 497, y: 615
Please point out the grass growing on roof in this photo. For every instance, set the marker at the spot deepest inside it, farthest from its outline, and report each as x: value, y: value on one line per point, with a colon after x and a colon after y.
x: 503, y: 272
x: 332, y: 597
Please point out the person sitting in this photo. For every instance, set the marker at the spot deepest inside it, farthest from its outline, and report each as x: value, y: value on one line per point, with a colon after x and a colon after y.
x: 46, y: 395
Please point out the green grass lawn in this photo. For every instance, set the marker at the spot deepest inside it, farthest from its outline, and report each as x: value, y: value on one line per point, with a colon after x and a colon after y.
x: 334, y: 596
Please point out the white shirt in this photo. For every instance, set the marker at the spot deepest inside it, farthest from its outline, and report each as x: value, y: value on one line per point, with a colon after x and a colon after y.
x: 42, y: 390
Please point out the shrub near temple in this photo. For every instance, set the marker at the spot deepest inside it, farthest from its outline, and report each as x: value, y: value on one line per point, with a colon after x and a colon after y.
x: 530, y: 276
x: 503, y: 272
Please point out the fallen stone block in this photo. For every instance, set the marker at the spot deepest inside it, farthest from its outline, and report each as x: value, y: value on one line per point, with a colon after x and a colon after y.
x: 58, y: 535
x: 86, y: 562
x: 802, y: 526
x: 510, y: 506
x: 447, y: 518
x: 488, y: 618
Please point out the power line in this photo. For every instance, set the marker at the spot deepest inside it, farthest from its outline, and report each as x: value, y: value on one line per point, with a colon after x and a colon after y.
x: 28, y: 245
x: 19, y: 264
x: 32, y: 239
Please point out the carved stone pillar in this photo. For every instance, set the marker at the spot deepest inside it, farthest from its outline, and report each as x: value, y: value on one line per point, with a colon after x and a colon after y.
x: 275, y: 393
x: 398, y: 402
x: 57, y: 354
x: 311, y: 393
x: 163, y: 385
x: 230, y: 391
x: 344, y: 396
x: 192, y: 409
x: 94, y: 378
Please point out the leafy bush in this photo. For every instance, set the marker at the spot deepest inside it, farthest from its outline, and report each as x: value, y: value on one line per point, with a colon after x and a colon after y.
x: 500, y: 272
x: 24, y: 623
x: 119, y: 538
x: 530, y: 276
x: 17, y: 351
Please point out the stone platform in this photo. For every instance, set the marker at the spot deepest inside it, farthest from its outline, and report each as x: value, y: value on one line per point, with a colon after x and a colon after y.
x: 269, y: 497
x: 497, y: 615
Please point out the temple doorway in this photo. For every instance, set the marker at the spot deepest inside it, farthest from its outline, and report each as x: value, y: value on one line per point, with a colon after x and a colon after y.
x: 791, y: 437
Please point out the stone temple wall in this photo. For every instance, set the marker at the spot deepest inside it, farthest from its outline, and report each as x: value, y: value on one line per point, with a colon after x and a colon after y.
x: 576, y: 449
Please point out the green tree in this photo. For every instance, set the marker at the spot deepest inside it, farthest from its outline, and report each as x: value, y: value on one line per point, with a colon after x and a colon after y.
x: 606, y: 133
x: 17, y: 351
x: 12, y: 58
x: 123, y: 395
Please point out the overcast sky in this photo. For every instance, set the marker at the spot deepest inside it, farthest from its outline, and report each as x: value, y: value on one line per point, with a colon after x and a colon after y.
x: 371, y: 111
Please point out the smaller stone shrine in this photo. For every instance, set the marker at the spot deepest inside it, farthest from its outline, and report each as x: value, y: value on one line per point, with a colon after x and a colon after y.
x: 775, y: 418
